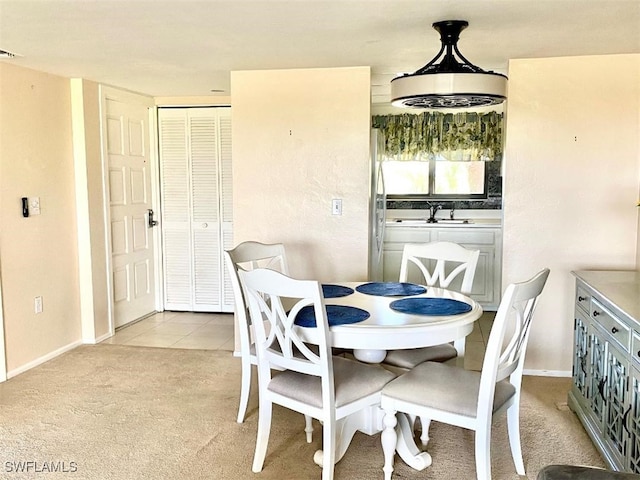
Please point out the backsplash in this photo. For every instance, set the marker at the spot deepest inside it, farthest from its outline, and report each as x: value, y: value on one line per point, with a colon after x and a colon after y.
x: 492, y: 202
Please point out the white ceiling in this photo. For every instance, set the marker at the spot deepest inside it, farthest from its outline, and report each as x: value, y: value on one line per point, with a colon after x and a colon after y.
x: 184, y: 47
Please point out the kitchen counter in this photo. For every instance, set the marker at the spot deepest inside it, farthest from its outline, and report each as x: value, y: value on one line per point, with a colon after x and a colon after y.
x: 444, y: 222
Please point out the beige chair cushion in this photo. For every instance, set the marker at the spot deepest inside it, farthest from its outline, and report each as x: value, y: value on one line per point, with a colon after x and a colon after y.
x: 353, y: 380
x: 445, y: 387
x: 415, y: 356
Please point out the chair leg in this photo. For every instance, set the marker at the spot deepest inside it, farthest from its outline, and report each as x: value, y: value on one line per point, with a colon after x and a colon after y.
x: 424, y: 428
x: 483, y: 452
x: 328, y: 448
x: 308, y: 428
x: 264, y: 428
x: 513, y: 426
x: 389, y: 439
x: 460, y: 345
x: 424, y: 436
x: 245, y: 388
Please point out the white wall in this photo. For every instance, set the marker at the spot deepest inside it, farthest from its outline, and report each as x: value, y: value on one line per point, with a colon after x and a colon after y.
x: 39, y: 254
x: 92, y: 246
x: 571, y: 183
x: 203, y: 101
x: 638, y: 197
x: 301, y: 139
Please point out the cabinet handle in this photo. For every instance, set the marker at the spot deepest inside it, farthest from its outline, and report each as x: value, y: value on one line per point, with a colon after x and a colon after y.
x: 624, y: 420
x: 596, y: 313
x: 639, y: 353
x: 614, y: 330
x: 581, y: 298
x: 601, y: 385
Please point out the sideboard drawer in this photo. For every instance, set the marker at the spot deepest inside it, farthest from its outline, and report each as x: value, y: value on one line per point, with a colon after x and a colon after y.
x: 583, y: 298
x: 635, y: 346
x: 618, y: 330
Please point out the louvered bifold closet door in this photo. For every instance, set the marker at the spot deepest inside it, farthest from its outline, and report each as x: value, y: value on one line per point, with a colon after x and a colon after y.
x: 206, y: 244
x: 175, y: 209
x: 195, y: 160
x: 226, y: 200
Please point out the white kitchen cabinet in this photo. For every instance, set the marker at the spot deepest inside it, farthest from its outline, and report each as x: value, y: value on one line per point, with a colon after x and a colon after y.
x: 196, y: 207
x: 487, y: 239
x: 605, y: 394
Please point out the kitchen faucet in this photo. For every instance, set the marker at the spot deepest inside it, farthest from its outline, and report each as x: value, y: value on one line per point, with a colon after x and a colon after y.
x: 432, y: 212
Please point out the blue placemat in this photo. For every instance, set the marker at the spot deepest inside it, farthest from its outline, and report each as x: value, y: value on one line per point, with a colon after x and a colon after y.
x: 391, y: 289
x: 430, y: 306
x: 335, y: 291
x: 336, y: 314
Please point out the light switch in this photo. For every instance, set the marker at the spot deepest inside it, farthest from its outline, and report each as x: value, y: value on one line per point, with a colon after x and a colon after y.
x: 34, y: 205
x: 37, y: 304
x: 336, y: 206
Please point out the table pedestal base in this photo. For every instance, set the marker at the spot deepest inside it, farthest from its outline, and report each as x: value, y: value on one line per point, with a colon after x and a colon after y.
x: 369, y: 356
x: 370, y: 421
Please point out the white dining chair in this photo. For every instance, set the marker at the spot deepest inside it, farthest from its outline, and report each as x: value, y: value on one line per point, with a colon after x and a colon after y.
x: 469, y: 399
x: 439, y: 264
x: 249, y: 255
x: 313, y: 381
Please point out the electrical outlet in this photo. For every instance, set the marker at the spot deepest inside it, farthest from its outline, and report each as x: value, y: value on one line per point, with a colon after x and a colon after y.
x: 37, y: 303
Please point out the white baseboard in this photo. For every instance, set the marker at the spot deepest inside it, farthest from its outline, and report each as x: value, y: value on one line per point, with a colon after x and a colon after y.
x: 547, y: 373
x: 94, y: 341
x: 104, y: 337
x: 41, y: 360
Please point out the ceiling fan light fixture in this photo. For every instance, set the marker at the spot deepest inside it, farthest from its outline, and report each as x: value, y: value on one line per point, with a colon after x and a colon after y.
x: 452, y: 83
x: 7, y: 54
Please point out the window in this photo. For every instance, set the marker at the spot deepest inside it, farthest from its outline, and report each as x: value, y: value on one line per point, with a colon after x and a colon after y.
x: 442, y: 179
x: 435, y: 155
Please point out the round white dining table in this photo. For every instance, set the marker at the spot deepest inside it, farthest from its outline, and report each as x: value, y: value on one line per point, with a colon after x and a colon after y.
x: 388, y: 329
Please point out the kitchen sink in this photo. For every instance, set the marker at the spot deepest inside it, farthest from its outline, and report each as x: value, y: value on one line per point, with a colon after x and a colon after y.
x: 422, y: 221
x: 454, y: 220
x: 411, y: 221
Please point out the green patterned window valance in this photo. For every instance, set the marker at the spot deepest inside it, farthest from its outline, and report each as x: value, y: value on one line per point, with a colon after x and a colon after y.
x: 463, y: 136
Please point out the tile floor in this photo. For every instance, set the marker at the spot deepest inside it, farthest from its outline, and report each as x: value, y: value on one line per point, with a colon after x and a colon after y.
x: 214, y: 331
x: 207, y: 331
x: 477, y: 342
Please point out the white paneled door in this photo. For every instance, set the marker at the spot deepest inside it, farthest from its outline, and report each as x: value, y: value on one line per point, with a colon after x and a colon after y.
x: 196, y: 199
x: 129, y: 184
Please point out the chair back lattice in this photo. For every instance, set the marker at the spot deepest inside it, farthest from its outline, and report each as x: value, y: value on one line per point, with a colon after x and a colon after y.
x: 441, y: 255
x: 276, y: 299
x: 506, y: 348
x: 250, y: 255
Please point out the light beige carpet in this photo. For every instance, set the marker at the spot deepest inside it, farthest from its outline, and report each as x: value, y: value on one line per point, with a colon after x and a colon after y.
x: 119, y: 412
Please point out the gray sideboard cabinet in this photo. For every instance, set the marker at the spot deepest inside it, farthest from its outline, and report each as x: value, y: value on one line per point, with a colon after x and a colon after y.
x: 605, y: 392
